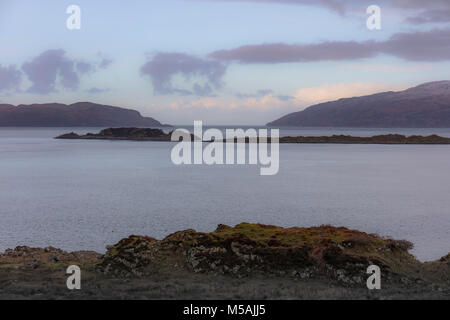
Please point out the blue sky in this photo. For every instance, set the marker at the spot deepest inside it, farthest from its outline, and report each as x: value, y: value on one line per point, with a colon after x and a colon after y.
x: 224, y: 62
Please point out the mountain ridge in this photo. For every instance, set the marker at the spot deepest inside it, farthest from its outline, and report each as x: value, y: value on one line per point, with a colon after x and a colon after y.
x: 424, y: 106
x: 79, y: 114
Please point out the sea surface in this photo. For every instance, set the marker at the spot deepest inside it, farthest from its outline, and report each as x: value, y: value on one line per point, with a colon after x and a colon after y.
x: 84, y: 195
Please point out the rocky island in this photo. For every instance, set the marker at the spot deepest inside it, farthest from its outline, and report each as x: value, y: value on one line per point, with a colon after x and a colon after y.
x: 137, y: 134
x: 148, y: 134
x: 248, y: 261
x: 379, y: 139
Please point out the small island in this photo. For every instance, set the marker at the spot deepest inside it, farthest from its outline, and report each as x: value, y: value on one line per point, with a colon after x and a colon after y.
x: 149, y: 134
x: 137, y: 134
x: 378, y: 139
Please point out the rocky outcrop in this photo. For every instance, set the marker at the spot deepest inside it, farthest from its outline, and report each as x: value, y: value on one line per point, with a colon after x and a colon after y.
x: 379, y: 139
x: 148, y: 134
x: 143, y: 134
x: 248, y: 261
x: 129, y: 256
x: 33, y: 258
x: 135, y: 134
x: 248, y: 249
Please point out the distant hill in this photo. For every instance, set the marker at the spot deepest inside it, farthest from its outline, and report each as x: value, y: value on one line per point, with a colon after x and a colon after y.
x: 81, y: 114
x: 424, y: 106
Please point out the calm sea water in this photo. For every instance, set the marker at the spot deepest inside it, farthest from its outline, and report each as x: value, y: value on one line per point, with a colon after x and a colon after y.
x: 88, y: 194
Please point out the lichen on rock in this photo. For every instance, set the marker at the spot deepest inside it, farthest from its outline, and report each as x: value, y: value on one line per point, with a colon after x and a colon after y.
x: 334, y: 252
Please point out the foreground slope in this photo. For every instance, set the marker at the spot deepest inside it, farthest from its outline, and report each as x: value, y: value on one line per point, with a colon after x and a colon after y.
x: 248, y: 261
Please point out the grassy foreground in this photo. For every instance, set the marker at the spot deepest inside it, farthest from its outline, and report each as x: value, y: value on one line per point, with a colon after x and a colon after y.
x: 248, y: 261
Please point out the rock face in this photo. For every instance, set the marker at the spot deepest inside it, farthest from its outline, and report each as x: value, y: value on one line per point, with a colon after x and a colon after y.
x: 129, y: 256
x: 121, y: 134
x: 81, y: 114
x: 424, y: 106
x: 248, y: 261
x: 248, y: 249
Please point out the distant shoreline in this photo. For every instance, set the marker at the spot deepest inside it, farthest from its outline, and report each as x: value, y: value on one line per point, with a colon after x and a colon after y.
x: 148, y: 134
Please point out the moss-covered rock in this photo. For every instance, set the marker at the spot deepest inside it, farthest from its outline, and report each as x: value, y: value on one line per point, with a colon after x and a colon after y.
x: 25, y: 257
x: 245, y: 249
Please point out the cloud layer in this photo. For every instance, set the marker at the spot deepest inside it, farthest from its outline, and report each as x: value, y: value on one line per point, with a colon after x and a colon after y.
x: 431, y: 16
x: 163, y: 67
x: 44, y: 70
x: 344, y: 6
x: 47, y: 71
x: 281, y: 52
x: 431, y: 45
x: 10, y: 77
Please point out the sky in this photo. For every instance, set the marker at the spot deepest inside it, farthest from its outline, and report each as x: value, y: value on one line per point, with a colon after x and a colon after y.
x: 243, y: 62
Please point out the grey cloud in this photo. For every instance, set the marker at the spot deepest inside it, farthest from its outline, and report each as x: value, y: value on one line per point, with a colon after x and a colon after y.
x: 84, y: 67
x: 420, y: 46
x: 338, y: 6
x: 181, y: 92
x: 87, y: 67
x: 418, y: 4
x: 261, y: 93
x: 344, y: 6
x: 430, y: 16
x: 418, y: 11
x: 95, y: 90
x: 105, y: 63
x: 164, y: 66
x: 54, y: 67
x: 44, y: 71
x: 205, y: 90
x: 10, y: 77
x: 431, y: 45
x: 280, y: 52
x: 258, y: 94
x: 283, y: 97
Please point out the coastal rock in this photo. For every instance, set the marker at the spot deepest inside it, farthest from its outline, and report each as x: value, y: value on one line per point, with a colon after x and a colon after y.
x: 122, y: 134
x: 257, y: 261
x: 24, y: 256
x: 379, y: 139
x: 128, y: 256
x: 445, y: 260
x: 438, y: 271
x: 71, y: 135
x: 246, y: 249
x: 148, y: 134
